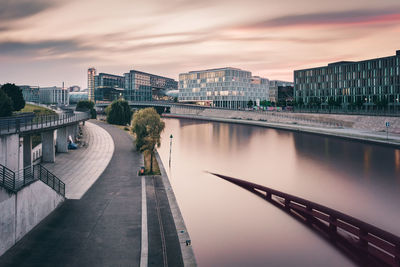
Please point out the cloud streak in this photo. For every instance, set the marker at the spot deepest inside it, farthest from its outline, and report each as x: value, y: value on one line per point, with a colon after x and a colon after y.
x: 18, y: 9
x: 41, y: 48
x: 350, y: 17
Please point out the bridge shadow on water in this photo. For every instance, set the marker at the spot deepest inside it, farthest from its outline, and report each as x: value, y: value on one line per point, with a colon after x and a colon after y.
x: 364, y: 244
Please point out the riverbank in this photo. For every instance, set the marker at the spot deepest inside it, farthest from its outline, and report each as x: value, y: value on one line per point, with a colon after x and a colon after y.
x: 362, y: 135
x: 188, y: 256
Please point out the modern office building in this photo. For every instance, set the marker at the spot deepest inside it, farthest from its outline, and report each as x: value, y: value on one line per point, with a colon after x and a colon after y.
x: 275, y: 86
x: 53, y: 96
x: 91, y: 85
x: 108, y: 87
x: 142, y: 86
x: 364, y: 83
x: 30, y: 93
x: 225, y: 87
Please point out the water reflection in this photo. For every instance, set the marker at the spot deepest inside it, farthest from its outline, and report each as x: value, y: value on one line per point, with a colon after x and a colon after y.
x: 230, y: 227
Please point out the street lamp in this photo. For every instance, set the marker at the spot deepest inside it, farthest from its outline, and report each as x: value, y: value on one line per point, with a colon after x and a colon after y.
x: 170, y: 148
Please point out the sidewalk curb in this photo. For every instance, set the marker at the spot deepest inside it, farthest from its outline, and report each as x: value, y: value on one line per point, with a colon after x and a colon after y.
x: 188, y: 256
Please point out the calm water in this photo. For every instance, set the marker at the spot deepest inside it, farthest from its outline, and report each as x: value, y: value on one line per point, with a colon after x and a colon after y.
x: 231, y: 227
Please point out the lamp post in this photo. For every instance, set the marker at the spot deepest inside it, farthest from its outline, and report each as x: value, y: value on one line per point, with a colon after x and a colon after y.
x: 170, y: 148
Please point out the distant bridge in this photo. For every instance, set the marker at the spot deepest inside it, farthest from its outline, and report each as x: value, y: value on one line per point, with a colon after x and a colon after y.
x: 365, y: 244
x: 165, y: 104
x: 160, y: 106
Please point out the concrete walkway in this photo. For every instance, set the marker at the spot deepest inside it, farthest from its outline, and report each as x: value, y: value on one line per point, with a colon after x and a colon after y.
x: 80, y: 168
x: 103, y: 228
x: 349, y: 133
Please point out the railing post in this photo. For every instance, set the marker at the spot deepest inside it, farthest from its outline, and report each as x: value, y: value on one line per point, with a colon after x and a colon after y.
x: 267, y: 195
x: 14, y: 182
x: 4, y: 174
x: 332, y: 224
x: 287, y: 204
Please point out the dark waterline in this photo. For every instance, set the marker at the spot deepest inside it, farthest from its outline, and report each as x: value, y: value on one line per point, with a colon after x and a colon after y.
x: 231, y: 227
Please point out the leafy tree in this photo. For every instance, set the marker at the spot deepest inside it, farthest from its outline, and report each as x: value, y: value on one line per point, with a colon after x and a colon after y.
x: 250, y: 104
x: 84, y: 105
x: 147, y: 126
x: 6, y: 105
x: 87, y: 105
x: 119, y: 112
x: 15, y: 93
x: 264, y: 103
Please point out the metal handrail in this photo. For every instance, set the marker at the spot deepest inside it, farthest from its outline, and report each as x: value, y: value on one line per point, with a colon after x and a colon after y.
x: 15, y: 181
x: 371, y: 240
x: 12, y: 125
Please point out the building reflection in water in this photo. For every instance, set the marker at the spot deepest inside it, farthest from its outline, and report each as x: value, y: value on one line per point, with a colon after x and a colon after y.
x: 230, y: 227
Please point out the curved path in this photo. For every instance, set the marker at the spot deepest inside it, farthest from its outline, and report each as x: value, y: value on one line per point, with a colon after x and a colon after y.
x: 80, y: 168
x: 103, y: 228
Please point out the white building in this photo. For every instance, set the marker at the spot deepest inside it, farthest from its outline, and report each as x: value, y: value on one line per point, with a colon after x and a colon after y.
x: 225, y: 87
x: 53, y: 95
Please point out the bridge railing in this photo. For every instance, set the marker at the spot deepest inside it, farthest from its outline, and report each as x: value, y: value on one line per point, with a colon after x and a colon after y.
x: 370, y: 240
x: 7, y: 178
x: 12, y: 125
x: 15, y: 181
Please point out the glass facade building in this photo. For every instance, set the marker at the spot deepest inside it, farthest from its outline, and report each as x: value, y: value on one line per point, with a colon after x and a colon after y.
x: 366, y: 83
x: 30, y: 93
x: 141, y: 86
x: 225, y: 87
x: 274, y: 87
x: 108, y: 86
x: 75, y: 97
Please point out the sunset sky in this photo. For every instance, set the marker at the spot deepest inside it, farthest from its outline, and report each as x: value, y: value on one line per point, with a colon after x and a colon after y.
x: 46, y: 42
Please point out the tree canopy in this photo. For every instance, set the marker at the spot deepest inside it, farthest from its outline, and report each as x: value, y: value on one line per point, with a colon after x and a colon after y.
x: 15, y: 93
x: 119, y: 112
x: 84, y: 105
x: 148, y: 126
x: 6, y: 106
x: 87, y: 105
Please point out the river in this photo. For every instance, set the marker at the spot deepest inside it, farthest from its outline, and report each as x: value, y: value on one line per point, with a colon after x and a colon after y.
x: 229, y: 226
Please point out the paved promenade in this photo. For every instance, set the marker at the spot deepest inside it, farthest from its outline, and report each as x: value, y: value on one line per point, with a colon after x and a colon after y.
x: 104, y: 227
x: 80, y: 168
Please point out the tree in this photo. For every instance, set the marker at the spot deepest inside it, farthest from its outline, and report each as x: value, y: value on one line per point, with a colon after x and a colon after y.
x: 119, y: 112
x: 147, y: 126
x: 87, y: 105
x: 6, y: 105
x: 250, y: 104
x: 15, y: 93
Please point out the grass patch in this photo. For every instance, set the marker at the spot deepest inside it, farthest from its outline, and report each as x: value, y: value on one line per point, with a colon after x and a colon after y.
x: 38, y: 110
x: 156, y: 168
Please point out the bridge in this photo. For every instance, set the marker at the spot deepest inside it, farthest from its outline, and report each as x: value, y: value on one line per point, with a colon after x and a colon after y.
x: 13, y: 129
x: 160, y: 106
x: 365, y: 244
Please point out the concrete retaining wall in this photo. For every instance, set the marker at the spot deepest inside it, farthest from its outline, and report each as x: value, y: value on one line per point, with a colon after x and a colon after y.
x: 372, y: 123
x: 22, y: 211
x: 7, y: 220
